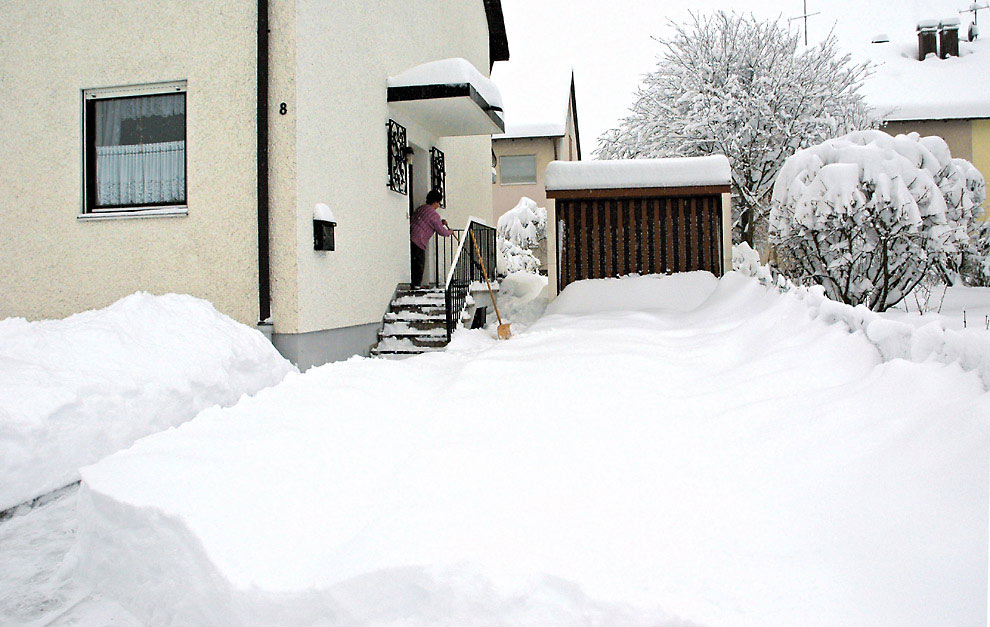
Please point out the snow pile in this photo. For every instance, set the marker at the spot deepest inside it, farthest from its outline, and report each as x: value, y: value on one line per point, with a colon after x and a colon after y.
x: 449, y: 72
x: 682, y: 291
x: 75, y: 390
x: 870, y: 215
x: 636, y: 173
x: 522, y: 299
x: 737, y: 463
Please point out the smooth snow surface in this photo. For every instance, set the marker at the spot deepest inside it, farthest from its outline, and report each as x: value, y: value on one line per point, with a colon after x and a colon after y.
x: 632, y: 173
x: 724, y: 455
x: 75, y: 390
x: 449, y: 72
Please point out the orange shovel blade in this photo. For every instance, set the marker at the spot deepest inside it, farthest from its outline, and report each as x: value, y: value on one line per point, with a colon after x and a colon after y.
x: 503, y: 332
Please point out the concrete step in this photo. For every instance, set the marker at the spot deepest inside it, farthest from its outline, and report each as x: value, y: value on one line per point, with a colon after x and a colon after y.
x: 414, y: 327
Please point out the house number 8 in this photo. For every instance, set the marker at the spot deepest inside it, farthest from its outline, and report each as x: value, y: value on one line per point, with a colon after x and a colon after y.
x: 283, y: 108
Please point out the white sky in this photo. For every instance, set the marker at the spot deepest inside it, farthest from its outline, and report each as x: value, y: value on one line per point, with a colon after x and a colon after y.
x: 609, y: 43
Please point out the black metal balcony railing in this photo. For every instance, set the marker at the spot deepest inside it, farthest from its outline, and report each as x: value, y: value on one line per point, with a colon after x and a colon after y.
x: 444, y: 250
x: 466, y: 269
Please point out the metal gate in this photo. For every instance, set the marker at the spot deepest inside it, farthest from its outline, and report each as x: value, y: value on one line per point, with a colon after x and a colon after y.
x: 608, y: 237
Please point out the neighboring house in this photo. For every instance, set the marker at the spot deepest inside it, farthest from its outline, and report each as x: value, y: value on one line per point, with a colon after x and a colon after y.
x: 945, y: 94
x: 541, y: 125
x: 182, y: 147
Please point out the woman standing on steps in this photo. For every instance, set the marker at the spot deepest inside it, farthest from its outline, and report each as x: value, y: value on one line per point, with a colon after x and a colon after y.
x: 425, y: 222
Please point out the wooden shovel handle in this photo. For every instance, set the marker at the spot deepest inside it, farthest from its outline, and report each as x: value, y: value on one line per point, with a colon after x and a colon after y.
x: 485, y: 272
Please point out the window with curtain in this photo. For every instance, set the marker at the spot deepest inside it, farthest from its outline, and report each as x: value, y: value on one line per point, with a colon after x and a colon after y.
x: 135, y: 151
x: 518, y: 169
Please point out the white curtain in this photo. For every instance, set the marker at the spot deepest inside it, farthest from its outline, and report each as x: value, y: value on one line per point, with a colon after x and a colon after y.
x: 141, y: 173
x: 142, y: 170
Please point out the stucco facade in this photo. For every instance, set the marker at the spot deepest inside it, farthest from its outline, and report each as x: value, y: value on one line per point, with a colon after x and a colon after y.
x: 328, y: 67
x: 56, y: 263
x: 967, y: 139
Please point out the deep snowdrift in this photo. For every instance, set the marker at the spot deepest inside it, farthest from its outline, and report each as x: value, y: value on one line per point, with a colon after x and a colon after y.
x: 738, y: 463
x: 75, y: 390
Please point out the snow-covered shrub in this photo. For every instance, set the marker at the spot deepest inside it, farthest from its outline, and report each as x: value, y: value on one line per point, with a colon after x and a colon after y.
x: 869, y: 216
x: 525, y: 224
x: 519, y: 230
x: 731, y: 84
x: 512, y: 258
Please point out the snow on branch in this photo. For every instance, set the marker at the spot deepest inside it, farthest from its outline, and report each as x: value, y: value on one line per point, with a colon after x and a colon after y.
x: 734, y: 85
x: 869, y: 216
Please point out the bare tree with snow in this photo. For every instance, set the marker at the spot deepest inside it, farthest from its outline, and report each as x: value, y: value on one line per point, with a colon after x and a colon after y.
x: 870, y: 216
x: 731, y: 84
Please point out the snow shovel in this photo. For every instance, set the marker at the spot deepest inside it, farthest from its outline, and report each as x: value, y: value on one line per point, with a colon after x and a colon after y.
x: 503, y: 329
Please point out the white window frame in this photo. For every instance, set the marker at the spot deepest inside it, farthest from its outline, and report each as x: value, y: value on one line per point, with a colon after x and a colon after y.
x: 160, y: 211
x: 502, y: 179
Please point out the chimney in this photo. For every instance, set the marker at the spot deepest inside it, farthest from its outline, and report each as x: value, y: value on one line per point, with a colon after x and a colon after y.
x: 948, y: 38
x: 926, y: 38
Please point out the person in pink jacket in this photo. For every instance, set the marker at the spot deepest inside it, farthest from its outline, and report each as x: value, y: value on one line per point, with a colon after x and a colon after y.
x: 425, y: 222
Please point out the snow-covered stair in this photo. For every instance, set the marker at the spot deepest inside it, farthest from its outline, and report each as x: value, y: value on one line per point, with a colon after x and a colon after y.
x: 415, y: 323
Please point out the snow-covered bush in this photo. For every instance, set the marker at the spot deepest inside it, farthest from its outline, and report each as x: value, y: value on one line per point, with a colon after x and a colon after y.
x: 731, y: 84
x: 512, y: 258
x: 519, y: 230
x: 525, y: 224
x: 869, y: 216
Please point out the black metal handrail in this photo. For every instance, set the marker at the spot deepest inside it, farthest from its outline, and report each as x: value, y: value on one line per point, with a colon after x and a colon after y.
x: 466, y: 269
x: 444, y: 249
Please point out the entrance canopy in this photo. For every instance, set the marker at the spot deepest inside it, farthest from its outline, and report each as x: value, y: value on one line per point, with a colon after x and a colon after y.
x: 448, y: 98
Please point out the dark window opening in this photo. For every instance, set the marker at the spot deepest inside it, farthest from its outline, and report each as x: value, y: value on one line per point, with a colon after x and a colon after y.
x: 135, y: 152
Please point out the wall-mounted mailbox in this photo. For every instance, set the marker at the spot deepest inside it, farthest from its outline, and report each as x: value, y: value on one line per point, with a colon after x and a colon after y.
x: 323, y: 234
x: 323, y: 226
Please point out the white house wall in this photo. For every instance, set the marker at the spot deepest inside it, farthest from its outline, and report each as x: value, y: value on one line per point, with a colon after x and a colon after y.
x: 282, y: 165
x: 54, y: 264
x: 345, y: 52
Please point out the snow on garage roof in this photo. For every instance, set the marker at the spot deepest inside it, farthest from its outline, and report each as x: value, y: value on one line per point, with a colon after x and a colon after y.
x: 639, y: 173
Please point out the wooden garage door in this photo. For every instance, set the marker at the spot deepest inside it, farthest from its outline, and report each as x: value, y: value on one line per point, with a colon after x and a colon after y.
x: 600, y: 238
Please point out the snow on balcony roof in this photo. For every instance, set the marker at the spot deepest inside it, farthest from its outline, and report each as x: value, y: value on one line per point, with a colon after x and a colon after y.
x: 639, y: 173
x: 449, y: 98
x: 449, y: 72
x: 535, y: 97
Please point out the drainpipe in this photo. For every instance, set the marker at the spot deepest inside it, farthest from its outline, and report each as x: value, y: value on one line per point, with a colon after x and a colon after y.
x: 264, y: 262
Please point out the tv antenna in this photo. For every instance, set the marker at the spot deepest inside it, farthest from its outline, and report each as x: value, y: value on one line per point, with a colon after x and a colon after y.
x: 805, y: 18
x: 974, y: 29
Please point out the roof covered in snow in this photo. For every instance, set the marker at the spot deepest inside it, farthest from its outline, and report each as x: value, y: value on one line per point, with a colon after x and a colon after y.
x: 639, y: 173
x: 533, y: 108
x: 904, y: 88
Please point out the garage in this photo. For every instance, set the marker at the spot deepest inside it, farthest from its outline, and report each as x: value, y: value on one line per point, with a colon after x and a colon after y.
x: 646, y: 216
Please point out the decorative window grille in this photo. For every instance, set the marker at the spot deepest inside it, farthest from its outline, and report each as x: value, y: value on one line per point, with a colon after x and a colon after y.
x: 438, y: 174
x: 397, y: 158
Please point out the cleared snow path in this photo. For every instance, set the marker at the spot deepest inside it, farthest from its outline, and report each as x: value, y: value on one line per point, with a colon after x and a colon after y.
x: 733, y: 463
